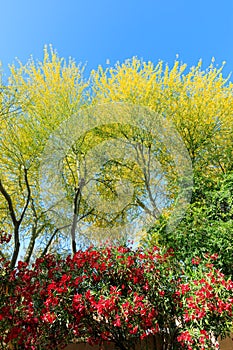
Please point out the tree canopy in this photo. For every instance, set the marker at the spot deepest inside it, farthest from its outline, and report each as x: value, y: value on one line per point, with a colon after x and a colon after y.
x: 126, y: 146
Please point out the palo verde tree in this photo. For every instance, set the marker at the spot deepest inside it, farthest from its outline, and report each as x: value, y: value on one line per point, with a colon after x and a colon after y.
x: 200, y: 104
x: 144, y: 163
x: 50, y: 90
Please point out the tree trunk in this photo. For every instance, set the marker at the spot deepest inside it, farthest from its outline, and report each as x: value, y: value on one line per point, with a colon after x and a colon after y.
x: 31, y: 246
x: 77, y: 200
x: 16, y: 247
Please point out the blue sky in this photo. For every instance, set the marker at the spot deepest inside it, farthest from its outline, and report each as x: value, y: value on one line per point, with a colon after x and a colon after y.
x: 92, y: 31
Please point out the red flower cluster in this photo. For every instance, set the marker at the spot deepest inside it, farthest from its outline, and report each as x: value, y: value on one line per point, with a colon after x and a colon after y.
x: 207, y: 301
x: 4, y: 237
x: 112, y: 294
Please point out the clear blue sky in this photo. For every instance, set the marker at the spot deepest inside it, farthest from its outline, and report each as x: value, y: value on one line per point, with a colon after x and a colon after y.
x: 92, y: 31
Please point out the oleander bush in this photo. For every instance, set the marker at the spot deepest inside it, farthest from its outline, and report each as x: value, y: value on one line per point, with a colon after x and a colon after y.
x: 116, y: 294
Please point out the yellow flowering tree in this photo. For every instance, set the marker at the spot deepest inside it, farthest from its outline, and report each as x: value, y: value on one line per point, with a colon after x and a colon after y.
x: 52, y: 95
x: 46, y: 93
x: 198, y: 102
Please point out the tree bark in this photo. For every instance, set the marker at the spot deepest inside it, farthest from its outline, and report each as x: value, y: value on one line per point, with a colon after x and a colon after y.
x: 16, y: 246
x: 77, y: 200
x: 16, y: 223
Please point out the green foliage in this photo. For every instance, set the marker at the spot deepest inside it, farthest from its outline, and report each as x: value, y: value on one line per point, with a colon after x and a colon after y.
x: 207, y: 227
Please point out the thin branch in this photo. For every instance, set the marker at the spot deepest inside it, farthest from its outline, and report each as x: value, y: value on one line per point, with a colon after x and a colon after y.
x: 146, y: 172
x: 9, y: 202
x: 87, y: 214
x: 31, y: 245
x: 147, y: 210
x: 51, y: 238
x: 28, y: 196
x: 72, y: 173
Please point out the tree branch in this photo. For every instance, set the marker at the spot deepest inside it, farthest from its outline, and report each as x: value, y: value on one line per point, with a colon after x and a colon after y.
x: 28, y: 196
x: 9, y: 202
x: 77, y: 200
x: 51, y: 238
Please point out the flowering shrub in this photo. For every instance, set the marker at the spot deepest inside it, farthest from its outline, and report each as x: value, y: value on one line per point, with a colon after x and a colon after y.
x: 4, y: 237
x: 207, y: 303
x: 113, y: 294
